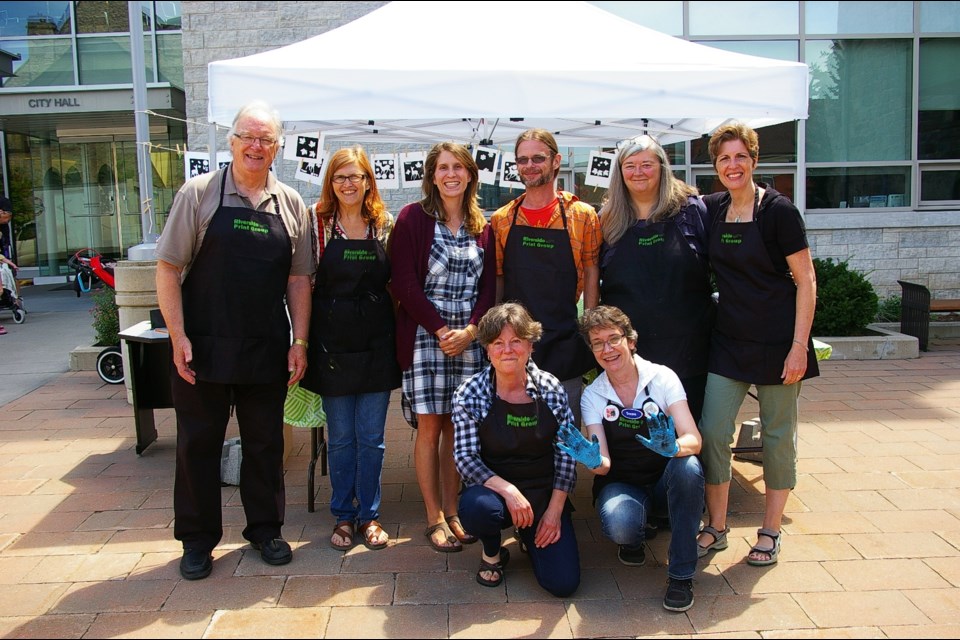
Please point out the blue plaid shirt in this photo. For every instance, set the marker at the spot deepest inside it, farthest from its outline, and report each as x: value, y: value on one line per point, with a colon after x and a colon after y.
x: 471, y: 404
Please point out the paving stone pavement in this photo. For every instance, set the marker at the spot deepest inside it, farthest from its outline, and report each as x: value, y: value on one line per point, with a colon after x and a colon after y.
x: 871, y: 543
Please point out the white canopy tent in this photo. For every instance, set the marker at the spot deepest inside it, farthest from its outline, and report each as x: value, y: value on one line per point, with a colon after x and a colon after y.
x: 481, y: 72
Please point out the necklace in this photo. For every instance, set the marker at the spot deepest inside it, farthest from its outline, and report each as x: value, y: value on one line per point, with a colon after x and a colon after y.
x: 756, y: 201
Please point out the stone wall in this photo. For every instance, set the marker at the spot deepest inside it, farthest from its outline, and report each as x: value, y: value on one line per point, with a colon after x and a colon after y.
x: 929, y: 256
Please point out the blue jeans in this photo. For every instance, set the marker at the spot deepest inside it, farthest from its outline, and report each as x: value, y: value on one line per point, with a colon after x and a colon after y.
x: 624, y: 510
x: 355, y: 427
x: 556, y: 567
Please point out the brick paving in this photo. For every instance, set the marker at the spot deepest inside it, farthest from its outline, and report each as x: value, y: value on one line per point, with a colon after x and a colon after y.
x: 871, y: 535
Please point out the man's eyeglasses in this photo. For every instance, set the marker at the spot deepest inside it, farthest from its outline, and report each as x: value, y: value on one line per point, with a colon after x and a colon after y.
x: 613, y: 341
x: 537, y: 159
x: 265, y: 141
x: 355, y: 178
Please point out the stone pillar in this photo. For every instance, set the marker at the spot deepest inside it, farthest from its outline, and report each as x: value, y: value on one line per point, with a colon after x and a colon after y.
x: 136, y: 289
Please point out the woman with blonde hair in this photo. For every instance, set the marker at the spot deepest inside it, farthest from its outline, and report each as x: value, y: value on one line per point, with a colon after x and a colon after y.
x: 351, y: 348
x: 444, y: 280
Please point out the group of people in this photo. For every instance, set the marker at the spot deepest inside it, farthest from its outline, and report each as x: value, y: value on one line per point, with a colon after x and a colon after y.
x: 477, y: 323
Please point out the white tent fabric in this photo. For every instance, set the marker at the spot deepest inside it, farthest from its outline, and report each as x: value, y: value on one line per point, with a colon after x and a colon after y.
x: 484, y: 71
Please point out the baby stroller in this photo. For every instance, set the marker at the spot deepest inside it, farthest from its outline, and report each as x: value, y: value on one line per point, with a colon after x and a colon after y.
x: 91, y: 267
x: 10, y: 299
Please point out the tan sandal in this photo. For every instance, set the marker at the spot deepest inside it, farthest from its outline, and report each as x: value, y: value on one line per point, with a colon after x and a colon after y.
x: 452, y: 544
x: 371, y: 532
x: 344, y: 530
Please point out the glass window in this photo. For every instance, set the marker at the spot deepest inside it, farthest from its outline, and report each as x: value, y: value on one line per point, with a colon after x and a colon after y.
x: 46, y: 62
x: 859, y: 17
x: 939, y: 117
x: 860, y: 100
x: 939, y: 17
x: 940, y: 185
x: 777, y: 49
x: 778, y: 143
x: 858, y: 187
x: 782, y: 181
x: 665, y: 17
x: 34, y: 18
x: 168, y: 16
x: 744, y: 18
x: 107, y: 60
x: 170, y: 58
x: 110, y: 16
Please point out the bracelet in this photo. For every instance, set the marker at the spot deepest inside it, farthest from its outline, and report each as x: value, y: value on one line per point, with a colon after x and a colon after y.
x: 300, y: 341
x: 805, y: 347
x: 471, y: 330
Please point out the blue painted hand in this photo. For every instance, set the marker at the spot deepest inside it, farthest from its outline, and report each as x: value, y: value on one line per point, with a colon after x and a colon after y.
x: 663, y: 436
x: 572, y: 442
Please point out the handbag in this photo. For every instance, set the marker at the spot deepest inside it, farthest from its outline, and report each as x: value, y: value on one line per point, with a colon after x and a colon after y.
x: 303, y: 408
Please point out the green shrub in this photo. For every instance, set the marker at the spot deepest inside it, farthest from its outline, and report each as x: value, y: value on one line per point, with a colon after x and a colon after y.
x: 106, y: 317
x: 846, y: 301
x: 890, y: 309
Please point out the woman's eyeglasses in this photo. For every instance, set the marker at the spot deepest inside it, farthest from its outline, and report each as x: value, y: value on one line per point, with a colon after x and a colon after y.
x: 355, y: 178
x: 613, y: 341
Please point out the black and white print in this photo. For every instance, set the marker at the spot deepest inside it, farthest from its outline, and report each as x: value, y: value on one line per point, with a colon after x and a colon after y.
x: 303, y: 145
x: 599, y: 166
x: 312, y: 171
x: 385, y: 171
x: 510, y: 172
x: 486, y: 159
x: 412, y: 166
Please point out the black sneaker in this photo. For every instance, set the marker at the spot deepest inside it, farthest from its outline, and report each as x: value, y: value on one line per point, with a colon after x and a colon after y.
x: 275, y: 551
x: 679, y: 595
x: 632, y: 557
x: 196, y: 564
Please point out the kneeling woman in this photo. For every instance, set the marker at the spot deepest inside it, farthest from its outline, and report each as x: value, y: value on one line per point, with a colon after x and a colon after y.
x: 505, y: 421
x: 642, y: 448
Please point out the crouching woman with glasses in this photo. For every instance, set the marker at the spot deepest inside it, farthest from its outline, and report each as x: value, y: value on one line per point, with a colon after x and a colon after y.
x: 642, y: 449
x: 506, y: 419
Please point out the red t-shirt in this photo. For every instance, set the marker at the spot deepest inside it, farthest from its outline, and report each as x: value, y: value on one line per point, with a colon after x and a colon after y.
x: 540, y: 217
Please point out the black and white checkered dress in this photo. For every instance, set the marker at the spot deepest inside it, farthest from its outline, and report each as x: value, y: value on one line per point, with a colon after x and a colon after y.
x: 453, y: 275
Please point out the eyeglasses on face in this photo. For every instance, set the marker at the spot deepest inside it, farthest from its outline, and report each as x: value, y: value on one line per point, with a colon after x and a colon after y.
x: 633, y: 167
x: 355, y: 178
x: 614, y: 341
x: 537, y: 159
x: 265, y: 141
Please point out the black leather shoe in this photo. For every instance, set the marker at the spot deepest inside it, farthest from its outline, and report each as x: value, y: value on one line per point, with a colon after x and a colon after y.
x: 196, y: 564
x: 275, y: 551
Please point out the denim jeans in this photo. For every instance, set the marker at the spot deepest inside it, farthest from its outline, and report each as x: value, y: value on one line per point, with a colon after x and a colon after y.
x: 355, y: 427
x: 624, y: 510
x: 557, y: 566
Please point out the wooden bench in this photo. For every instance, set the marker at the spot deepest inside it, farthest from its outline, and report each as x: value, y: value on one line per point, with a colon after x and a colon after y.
x: 916, y: 306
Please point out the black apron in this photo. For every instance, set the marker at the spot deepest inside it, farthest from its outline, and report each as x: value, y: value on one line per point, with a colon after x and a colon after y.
x: 516, y: 443
x: 757, y: 311
x: 540, y: 273
x: 352, y: 346
x: 233, y: 297
x: 658, y: 281
x: 630, y: 461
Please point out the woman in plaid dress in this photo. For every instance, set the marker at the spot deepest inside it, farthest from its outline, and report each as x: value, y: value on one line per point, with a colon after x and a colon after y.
x: 444, y: 281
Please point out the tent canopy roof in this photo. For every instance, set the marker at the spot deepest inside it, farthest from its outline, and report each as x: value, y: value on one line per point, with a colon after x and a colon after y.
x: 483, y: 71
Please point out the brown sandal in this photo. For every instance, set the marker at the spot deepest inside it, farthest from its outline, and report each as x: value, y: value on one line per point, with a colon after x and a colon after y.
x: 371, y: 533
x: 456, y: 528
x: 344, y: 530
x: 452, y: 544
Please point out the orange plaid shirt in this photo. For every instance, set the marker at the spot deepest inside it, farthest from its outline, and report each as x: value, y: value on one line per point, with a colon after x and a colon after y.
x: 583, y: 226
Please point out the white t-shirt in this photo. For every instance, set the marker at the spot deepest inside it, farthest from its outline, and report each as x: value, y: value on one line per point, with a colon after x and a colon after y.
x: 662, y: 385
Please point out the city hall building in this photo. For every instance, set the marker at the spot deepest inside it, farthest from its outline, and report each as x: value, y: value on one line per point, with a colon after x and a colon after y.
x: 875, y: 168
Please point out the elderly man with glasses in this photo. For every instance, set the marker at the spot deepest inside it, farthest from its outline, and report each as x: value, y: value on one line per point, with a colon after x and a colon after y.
x: 236, y: 243
x: 548, y: 246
